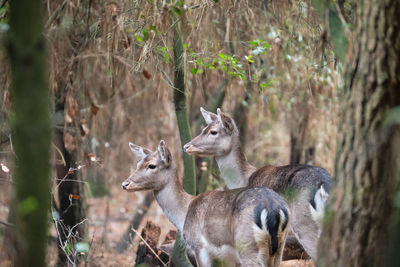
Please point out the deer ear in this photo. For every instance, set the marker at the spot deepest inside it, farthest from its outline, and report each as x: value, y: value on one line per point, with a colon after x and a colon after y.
x: 209, y: 117
x: 226, y: 122
x: 164, y: 154
x: 138, y: 151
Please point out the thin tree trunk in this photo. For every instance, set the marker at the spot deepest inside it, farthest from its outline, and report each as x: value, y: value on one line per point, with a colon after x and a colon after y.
x: 367, y: 164
x: 141, y: 211
x: 189, y: 180
x: 179, y: 257
x: 31, y: 127
x: 72, y: 201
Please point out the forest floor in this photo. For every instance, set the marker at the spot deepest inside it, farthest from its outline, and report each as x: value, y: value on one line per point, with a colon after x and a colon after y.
x: 108, y: 219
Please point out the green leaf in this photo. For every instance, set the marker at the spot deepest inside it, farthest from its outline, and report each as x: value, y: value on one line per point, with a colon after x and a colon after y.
x: 176, y: 10
x: 68, y: 248
x: 138, y: 38
x: 166, y: 58
x: 145, y: 33
x: 194, y: 71
x: 266, y: 46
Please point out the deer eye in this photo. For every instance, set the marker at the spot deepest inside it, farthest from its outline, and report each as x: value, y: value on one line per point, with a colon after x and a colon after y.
x: 213, y: 132
x: 151, y: 166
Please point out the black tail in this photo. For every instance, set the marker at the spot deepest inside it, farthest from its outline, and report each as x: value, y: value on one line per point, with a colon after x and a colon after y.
x: 270, y: 221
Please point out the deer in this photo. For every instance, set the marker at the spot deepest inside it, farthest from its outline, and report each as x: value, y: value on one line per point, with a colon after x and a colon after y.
x: 305, y: 188
x: 243, y: 226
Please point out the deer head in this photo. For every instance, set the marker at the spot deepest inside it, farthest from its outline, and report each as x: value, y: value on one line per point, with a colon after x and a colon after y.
x: 153, y: 169
x: 217, y: 138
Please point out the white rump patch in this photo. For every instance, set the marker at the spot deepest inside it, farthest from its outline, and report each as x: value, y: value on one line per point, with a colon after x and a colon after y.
x: 260, y: 234
x: 317, y: 213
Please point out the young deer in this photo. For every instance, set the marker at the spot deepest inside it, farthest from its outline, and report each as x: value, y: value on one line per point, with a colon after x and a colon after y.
x: 305, y: 188
x: 245, y: 226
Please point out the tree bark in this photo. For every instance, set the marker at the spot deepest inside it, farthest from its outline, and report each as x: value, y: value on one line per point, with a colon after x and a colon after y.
x: 189, y: 178
x: 31, y: 128
x: 179, y: 257
x: 367, y: 169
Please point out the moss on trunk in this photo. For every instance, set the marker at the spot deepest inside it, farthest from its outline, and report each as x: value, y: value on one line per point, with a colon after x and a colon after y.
x: 31, y: 130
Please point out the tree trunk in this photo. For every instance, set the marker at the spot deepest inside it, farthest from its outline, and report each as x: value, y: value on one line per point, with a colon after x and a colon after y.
x: 141, y: 211
x: 189, y: 178
x: 179, y: 257
x: 31, y: 128
x: 72, y: 207
x: 367, y: 169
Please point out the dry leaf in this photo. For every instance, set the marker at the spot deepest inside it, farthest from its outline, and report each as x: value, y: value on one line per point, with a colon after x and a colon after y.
x: 69, y: 142
x: 146, y: 74
x: 94, y: 109
x: 72, y: 107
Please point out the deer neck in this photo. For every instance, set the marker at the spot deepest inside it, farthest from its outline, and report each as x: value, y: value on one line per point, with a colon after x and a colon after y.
x: 234, y: 168
x: 174, y: 202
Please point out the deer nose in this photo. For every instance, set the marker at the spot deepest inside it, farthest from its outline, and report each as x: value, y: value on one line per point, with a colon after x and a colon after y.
x: 186, y: 147
x: 125, y: 185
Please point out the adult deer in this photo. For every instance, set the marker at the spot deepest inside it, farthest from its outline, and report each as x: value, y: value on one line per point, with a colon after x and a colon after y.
x: 305, y: 188
x: 245, y: 226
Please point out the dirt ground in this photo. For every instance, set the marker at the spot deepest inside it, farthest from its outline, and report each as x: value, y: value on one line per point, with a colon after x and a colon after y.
x: 108, y: 219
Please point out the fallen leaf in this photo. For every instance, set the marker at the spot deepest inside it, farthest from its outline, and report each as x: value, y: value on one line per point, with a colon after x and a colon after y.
x: 146, y: 74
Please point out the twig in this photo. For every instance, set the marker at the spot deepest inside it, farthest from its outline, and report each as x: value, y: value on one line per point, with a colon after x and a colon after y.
x: 61, y: 154
x: 7, y: 224
x: 55, y: 14
x: 170, y: 82
x: 11, y: 143
x: 71, y: 180
x: 155, y: 254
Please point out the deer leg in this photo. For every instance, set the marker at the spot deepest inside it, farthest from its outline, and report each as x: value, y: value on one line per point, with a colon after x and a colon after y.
x: 203, y: 258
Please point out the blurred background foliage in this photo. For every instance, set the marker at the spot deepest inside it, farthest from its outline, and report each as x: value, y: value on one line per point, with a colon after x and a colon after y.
x: 110, y: 66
